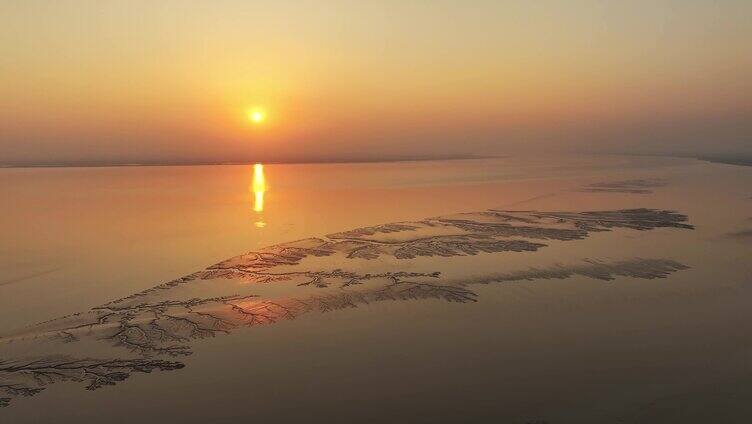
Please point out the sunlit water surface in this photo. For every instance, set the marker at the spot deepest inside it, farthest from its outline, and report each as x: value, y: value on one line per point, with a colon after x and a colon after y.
x: 574, y: 350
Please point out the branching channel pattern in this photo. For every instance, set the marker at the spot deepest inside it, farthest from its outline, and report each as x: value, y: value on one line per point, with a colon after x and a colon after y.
x: 150, y: 330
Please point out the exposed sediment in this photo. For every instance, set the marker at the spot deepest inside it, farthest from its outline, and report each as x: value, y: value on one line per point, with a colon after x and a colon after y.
x: 638, y: 186
x: 337, y: 271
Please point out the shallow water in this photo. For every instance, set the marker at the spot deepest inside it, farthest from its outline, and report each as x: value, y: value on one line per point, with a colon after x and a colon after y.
x: 571, y: 348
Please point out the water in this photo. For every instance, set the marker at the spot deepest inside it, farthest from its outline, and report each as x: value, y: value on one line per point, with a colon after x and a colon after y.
x: 563, y: 350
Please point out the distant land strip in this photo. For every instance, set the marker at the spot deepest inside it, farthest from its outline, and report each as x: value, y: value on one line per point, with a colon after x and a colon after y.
x: 739, y: 161
x: 103, y: 164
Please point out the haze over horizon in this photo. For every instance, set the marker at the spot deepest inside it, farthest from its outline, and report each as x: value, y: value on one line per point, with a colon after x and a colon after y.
x: 175, y: 81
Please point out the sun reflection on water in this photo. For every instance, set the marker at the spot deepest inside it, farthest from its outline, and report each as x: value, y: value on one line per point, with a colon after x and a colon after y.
x: 258, y: 187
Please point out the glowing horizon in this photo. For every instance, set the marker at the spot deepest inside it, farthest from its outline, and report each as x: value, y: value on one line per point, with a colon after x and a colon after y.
x: 174, y: 81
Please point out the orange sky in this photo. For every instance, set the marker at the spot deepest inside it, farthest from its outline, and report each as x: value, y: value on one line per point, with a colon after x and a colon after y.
x: 135, y: 81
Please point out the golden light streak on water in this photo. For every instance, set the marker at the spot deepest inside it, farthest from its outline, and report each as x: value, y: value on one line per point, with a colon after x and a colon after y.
x: 258, y: 187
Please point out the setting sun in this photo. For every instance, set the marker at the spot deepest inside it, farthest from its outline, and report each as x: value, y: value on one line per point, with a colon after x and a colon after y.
x: 256, y: 116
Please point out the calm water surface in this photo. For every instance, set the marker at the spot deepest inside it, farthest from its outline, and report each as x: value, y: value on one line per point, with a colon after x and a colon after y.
x: 574, y: 350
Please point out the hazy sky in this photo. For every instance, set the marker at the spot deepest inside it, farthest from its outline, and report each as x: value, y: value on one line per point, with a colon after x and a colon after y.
x: 164, y: 80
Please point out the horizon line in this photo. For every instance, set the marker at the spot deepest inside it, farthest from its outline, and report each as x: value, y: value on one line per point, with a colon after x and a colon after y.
x: 106, y: 164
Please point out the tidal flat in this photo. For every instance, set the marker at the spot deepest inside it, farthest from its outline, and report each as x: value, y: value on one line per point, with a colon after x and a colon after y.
x: 575, y: 289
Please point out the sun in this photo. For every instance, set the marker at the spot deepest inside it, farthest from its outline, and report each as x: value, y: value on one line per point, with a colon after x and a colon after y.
x: 256, y: 116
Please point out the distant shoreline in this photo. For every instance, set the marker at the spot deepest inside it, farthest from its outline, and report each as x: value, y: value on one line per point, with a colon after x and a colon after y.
x: 738, y: 161
x: 728, y: 161
x: 248, y: 162
x: 745, y: 161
